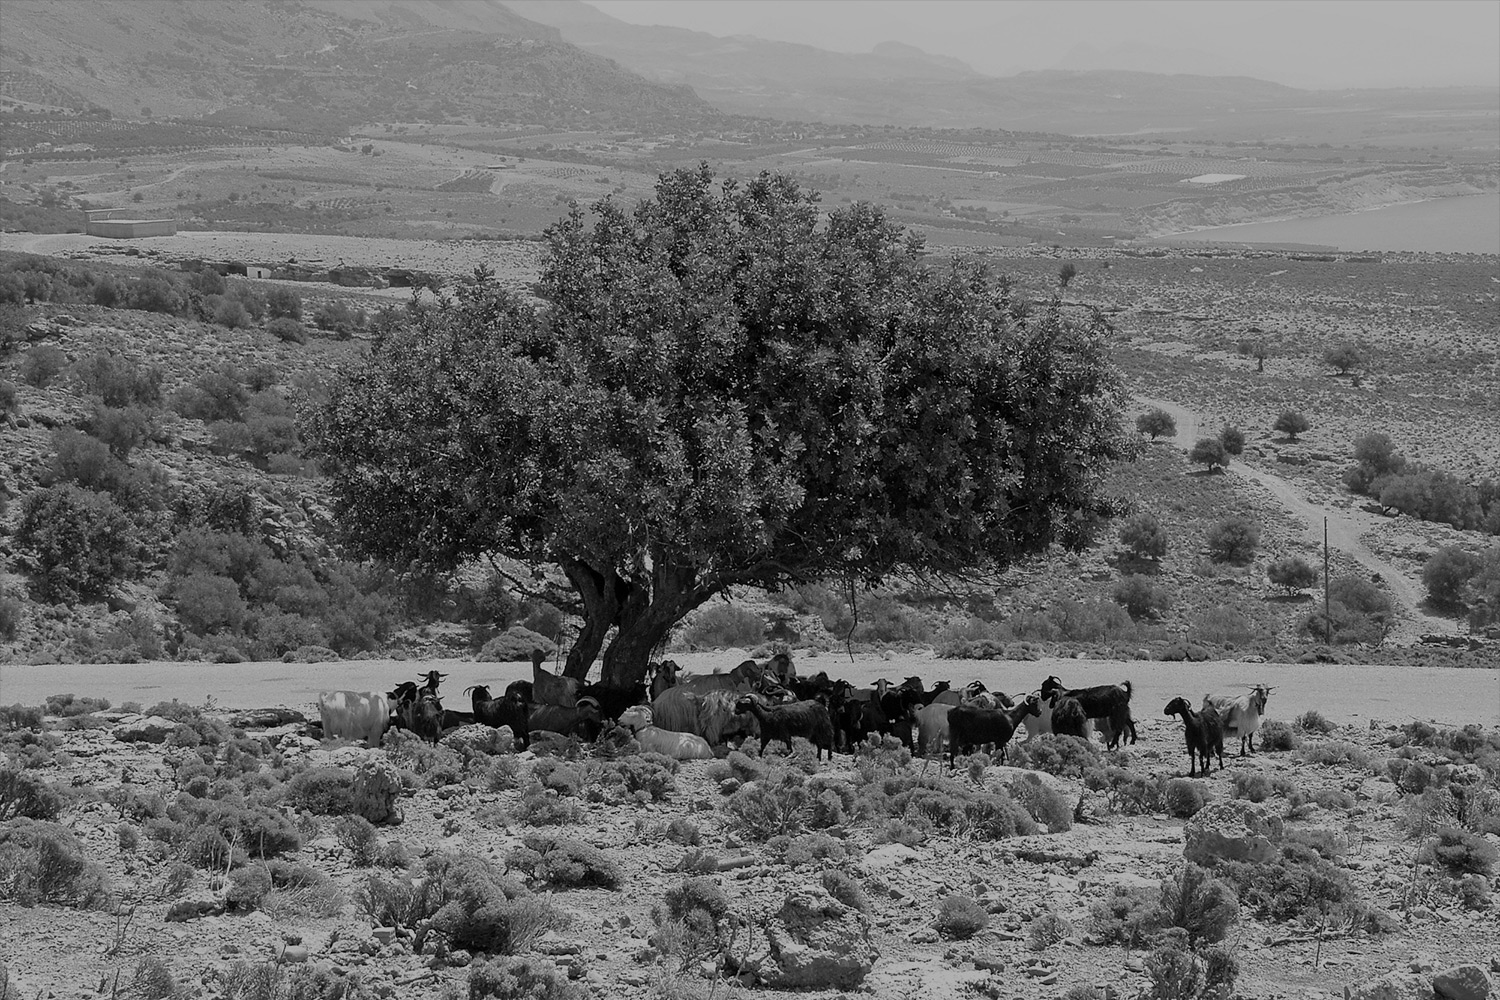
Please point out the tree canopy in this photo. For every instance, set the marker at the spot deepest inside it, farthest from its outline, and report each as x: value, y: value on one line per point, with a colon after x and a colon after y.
x: 724, y: 388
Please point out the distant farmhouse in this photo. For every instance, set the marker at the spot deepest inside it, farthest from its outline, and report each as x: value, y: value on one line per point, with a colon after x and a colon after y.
x: 110, y: 222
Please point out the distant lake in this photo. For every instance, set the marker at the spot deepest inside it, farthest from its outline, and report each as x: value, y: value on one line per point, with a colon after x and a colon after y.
x: 1470, y: 224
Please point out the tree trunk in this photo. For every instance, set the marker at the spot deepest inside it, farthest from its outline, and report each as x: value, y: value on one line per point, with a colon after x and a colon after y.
x: 626, y: 659
x: 602, y: 595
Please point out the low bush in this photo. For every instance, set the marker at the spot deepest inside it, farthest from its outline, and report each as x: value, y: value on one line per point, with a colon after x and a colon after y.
x: 564, y: 863
x: 1059, y: 755
x: 531, y: 978
x: 1047, y: 806
x: 42, y: 364
x: 1048, y: 928
x: 1141, y: 597
x: 1202, y: 905
x: 325, y: 791
x: 513, y: 645
x: 843, y: 887
x: 541, y: 806
x: 1179, y: 974
x: 1298, y: 885
x: 1335, y: 753
x: 693, y: 919
x: 357, y: 836
x: 720, y: 626
x: 1277, y: 736
x: 1233, y: 540
x: 1130, y: 915
x: 1251, y: 785
x: 1183, y: 797
x: 1460, y: 851
x: 1126, y: 791
x: 41, y: 862
x: 23, y: 794
x: 960, y: 917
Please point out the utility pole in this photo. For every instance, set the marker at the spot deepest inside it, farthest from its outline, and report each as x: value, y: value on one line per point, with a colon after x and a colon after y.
x: 1327, y: 620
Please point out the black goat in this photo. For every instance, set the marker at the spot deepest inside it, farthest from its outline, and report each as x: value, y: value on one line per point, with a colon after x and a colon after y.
x: 615, y: 700
x: 580, y: 720
x: 1103, y: 701
x: 427, y: 717
x: 970, y: 727
x: 1069, y: 717
x: 521, y: 690
x: 510, y: 711
x: 807, y: 719
x: 1204, y: 732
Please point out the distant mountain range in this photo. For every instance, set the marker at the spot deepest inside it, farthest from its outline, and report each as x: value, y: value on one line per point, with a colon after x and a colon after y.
x: 324, y: 64
x: 327, y: 65
x: 899, y: 84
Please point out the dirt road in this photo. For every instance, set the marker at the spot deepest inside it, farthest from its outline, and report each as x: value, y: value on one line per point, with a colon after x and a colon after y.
x: 1345, y: 530
x: 1356, y: 694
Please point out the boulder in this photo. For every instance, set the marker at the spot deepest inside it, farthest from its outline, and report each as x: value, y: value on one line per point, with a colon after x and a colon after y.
x: 477, y: 740
x: 144, y: 729
x: 267, y: 718
x: 887, y: 855
x: 1462, y: 982
x: 377, y: 786
x: 816, y: 942
x: 191, y: 909
x: 1233, y: 830
x: 1391, y: 986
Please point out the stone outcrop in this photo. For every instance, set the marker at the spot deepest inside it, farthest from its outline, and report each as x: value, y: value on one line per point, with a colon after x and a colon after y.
x: 1462, y: 982
x: 1235, y: 830
x: 377, y: 786
x: 477, y: 740
x: 143, y: 729
x: 814, y: 941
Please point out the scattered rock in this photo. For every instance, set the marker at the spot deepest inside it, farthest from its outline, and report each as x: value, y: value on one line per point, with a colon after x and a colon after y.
x: 191, y: 909
x: 294, y: 954
x: 267, y: 718
x: 815, y: 941
x: 887, y: 855
x: 1462, y: 982
x: 1391, y: 986
x: 477, y: 741
x: 144, y: 729
x: 377, y: 786
x: 1233, y: 830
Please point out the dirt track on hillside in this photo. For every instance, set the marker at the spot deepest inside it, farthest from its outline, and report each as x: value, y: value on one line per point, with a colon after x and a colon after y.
x: 1345, y: 533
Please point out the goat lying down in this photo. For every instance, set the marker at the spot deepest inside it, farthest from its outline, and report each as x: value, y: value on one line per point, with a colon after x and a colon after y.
x: 678, y: 746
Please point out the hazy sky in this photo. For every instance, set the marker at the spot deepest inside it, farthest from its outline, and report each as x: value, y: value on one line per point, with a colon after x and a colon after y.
x: 1303, y: 43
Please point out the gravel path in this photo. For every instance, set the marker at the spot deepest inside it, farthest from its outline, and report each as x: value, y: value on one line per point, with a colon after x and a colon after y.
x: 1345, y: 533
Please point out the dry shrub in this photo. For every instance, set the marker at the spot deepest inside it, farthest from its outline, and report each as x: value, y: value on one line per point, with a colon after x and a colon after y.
x: 960, y: 917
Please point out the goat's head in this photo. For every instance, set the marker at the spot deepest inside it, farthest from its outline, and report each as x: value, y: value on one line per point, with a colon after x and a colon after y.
x: 1050, y: 685
x: 744, y: 704
x: 481, y: 692
x: 938, y: 687
x: 1261, y: 693
x: 1177, y: 706
x: 588, y: 708
x: 636, y: 717
x: 406, y: 691
x: 1032, y: 704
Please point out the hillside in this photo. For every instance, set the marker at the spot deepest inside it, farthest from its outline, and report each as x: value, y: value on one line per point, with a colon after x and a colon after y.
x: 897, y: 84
x: 322, y: 66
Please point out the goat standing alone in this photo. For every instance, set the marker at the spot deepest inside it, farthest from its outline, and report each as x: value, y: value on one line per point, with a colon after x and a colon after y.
x: 1204, y: 734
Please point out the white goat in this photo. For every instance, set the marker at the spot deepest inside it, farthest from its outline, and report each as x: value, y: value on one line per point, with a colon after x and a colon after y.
x: 1241, y: 713
x: 678, y: 746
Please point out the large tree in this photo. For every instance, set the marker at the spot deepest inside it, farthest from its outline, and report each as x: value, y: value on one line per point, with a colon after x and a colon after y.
x: 724, y: 388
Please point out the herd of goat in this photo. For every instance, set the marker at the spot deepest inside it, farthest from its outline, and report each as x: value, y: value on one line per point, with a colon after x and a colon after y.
x: 685, y: 716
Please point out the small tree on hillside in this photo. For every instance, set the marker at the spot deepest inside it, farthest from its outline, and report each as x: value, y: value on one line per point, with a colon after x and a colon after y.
x: 1140, y: 597
x: 1233, y: 540
x: 1291, y: 423
x: 1344, y: 357
x: 81, y: 542
x: 1066, y: 273
x: 1233, y: 439
x: 1292, y: 574
x: 1157, y: 423
x: 1144, y: 536
x: 1210, y: 452
x: 282, y: 303
x: 1446, y: 574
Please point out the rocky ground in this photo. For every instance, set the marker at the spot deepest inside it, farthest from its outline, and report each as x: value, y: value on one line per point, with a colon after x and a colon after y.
x: 1038, y: 890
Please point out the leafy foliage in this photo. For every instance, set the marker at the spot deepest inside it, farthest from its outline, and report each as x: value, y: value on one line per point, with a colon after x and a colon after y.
x: 81, y: 541
x: 1233, y: 540
x: 683, y: 395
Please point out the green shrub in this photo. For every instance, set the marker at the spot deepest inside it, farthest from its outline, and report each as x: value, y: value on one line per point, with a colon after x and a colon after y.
x: 1179, y: 974
x: 339, y: 317
x: 42, y: 364
x: 1251, y: 785
x: 530, y: 978
x: 82, y: 543
x: 1460, y: 851
x: 287, y: 330
x: 1157, y: 423
x: 41, y: 862
x: 1046, y: 805
x: 357, y: 836
x: 1276, y: 736
x: 1128, y: 793
x: 1047, y: 929
x: 1059, y: 755
x: 884, y: 619
x: 513, y: 645
x: 842, y: 887
x: 1335, y: 753
x: 1140, y: 597
x: 564, y: 863
x: 26, y: 794
x: 1292, y: 574
x: 283, y: 302
x: 544, y: 807
x: 1183, y: 797
x: 721, y: 626
x: 1298, y: 885
x: 231, y: 313
x: 693, y: 921
x: 1312, y: 721
x: 1130, y: 915
x: 248, y: 887
x: 960, y: 917
x: 1209, y: 452
x: 324, y: 791
x: 1091, y: 621
x: 1199, y: 903
x: 1143, y: 535
x: 1233, y: 540
x: 117, y: 380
